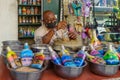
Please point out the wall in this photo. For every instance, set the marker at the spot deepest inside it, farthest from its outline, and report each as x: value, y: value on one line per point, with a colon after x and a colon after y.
x: 8, y: 20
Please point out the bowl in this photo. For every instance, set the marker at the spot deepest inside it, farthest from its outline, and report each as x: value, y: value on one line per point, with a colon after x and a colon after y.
x: 103, y: 69
x: 38, y: 47
x: 18, y: 75
x: 68, y: 72
x: 11, y: 42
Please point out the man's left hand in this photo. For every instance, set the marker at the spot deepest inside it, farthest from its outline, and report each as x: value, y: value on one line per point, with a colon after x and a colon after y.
x: 72, y: 35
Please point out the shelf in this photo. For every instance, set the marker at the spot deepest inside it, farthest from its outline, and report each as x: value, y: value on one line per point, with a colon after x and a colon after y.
x: 29, y: 5
x: 27, y: 37
x: 29, y: 15
x: 29, y: 24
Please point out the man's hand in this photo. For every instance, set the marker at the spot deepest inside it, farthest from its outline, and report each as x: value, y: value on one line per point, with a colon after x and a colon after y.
x: 72, y: 35
x: 61, y: 25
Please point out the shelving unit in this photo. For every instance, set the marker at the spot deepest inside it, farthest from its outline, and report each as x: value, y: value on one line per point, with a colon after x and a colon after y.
x: 29, y: 19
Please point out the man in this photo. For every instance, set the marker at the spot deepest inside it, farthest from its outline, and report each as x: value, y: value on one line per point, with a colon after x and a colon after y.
x: 47, y: 32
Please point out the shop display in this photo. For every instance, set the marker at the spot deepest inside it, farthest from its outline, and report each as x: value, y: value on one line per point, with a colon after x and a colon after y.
x: 101, y: 49
x: 29, y: 19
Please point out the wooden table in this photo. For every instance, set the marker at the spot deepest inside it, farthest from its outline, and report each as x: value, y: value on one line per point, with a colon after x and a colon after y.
x: 50, y: 75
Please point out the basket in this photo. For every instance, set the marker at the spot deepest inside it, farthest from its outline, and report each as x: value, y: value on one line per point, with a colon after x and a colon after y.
x: 68, y: 72
x: 26, y: 75
x: 103, y: 70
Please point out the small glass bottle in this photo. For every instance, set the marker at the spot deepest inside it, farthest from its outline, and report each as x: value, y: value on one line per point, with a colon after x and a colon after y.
x: 33, y: 19
x: 34, y: 2
x: 36, y: 10
x: 20, y: 19
x: 24, y: 10
x: 36, y: 19
x: 38, y: 2
x: 32, y: 10
x: 20, y: 11
x: 23, y: 20
x: 28, y: 10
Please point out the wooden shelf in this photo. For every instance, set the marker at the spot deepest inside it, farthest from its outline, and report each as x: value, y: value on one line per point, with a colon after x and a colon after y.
x: 26, y: 37
x: 29, y: 14
x: 29, y: 5
x: 29, y: 24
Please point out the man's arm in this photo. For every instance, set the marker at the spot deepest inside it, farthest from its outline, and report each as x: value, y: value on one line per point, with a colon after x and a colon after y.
x: 47, y: 38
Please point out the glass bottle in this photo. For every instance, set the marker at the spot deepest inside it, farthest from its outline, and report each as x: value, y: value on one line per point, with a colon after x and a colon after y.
x: 33, y: 19
x: 20, y: 11
x: 32, y: 10
x: 24, y: 10
x: 36, y: 10
x: 34, y: 2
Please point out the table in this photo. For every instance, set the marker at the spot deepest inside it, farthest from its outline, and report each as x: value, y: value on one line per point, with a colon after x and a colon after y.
x: 49, y: 74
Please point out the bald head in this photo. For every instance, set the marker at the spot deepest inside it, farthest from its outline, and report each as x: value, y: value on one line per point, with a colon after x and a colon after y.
x: 48, y: 16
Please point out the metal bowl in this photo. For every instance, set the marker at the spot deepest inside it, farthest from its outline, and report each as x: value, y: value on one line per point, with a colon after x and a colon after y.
x: 11, y: 42
x: 103, y: 70
x: 17, y: 75
x: 38, y: 47
x: 68, y: 72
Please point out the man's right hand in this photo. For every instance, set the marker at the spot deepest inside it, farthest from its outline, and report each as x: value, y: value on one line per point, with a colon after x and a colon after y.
x: 61, y: 25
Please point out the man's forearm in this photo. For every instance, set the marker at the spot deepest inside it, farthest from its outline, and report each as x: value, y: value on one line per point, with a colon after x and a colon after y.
x: 47, y: 38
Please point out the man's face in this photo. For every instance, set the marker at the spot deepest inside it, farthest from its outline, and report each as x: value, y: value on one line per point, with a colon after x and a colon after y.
x: 50, y: 20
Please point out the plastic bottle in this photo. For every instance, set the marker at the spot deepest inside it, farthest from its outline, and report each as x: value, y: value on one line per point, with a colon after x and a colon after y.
x: 110, y: 57
x: 79, y: 60
x: 38, y: 60
x: 94, y: 52
x: 11, y: 56
x: 95, y: 59
x: 94, y: 41
x: 66, y: 58
x: 54, y: 56
x: 26, y: 55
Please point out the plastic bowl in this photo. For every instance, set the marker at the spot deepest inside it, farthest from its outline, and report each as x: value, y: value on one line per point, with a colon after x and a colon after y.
x: 17, y: 75
x: 68, y: 72
x: 103, y: 70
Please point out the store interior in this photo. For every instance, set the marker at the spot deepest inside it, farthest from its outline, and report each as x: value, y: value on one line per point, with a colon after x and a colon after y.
x: 60, y: 40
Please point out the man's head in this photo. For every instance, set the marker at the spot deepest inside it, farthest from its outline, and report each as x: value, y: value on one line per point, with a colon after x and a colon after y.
x: 49, y: 19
